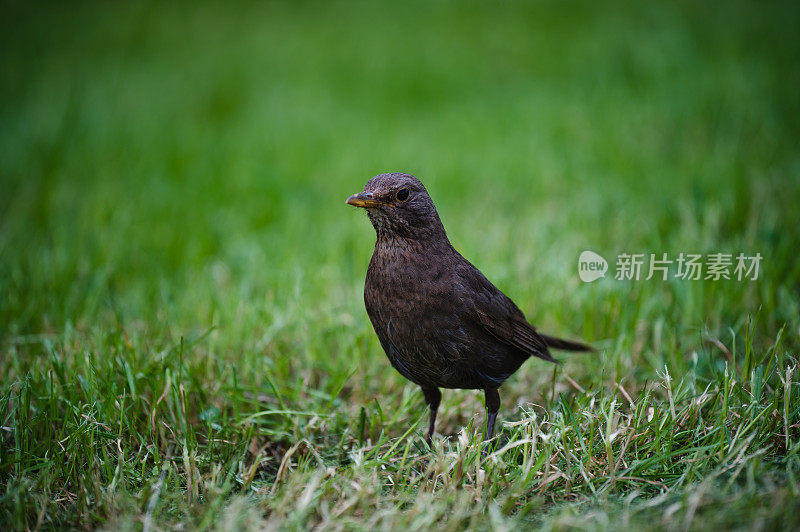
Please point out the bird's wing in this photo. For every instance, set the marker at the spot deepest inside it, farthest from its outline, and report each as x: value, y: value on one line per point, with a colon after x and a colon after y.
x: 499, y: 315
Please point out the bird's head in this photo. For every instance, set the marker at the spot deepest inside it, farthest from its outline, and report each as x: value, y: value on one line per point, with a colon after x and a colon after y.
x: 399, y: 206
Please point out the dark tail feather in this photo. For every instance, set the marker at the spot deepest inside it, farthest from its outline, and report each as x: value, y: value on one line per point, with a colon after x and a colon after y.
x: 565, y: 345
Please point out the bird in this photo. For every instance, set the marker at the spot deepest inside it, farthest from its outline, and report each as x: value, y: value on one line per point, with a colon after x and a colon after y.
x: 440, y: 321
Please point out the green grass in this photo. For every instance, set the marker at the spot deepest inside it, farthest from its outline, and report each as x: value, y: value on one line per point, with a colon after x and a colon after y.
x: 182, y: 331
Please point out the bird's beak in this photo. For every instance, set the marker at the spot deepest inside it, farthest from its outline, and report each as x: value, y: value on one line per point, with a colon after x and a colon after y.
x: 363, y: 199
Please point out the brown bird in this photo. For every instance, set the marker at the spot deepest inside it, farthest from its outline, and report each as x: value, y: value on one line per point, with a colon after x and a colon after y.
x: 440, y: 321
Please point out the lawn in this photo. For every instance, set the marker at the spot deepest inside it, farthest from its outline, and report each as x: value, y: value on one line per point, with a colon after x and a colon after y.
x: 183, y: 338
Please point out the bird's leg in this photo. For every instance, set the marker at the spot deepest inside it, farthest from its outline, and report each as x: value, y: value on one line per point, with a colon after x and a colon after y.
x: 492, y: 406
x: 432, y: 397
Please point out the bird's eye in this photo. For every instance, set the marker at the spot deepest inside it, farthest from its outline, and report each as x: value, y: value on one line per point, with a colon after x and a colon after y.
x: 402, y: 194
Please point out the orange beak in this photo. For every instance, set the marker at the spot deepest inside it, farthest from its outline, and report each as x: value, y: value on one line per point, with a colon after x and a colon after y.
x: 364, y: 200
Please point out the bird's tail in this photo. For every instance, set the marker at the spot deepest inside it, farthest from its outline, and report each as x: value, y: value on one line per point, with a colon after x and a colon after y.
x: 565, y: 345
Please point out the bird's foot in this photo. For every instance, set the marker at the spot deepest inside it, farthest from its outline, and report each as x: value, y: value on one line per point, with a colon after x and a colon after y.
x: 488, y: 446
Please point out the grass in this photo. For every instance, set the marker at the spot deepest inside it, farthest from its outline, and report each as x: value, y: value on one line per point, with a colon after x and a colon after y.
x: 182, y: 332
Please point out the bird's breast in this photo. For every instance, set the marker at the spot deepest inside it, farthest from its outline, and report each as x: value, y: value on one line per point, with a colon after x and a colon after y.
x: 402, y: 281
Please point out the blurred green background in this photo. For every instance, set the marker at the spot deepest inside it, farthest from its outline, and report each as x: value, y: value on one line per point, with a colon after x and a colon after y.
x: 179, y: 164
x: 174, y: 169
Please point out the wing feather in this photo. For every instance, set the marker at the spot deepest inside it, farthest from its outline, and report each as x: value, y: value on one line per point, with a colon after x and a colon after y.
x: 501, y: 317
